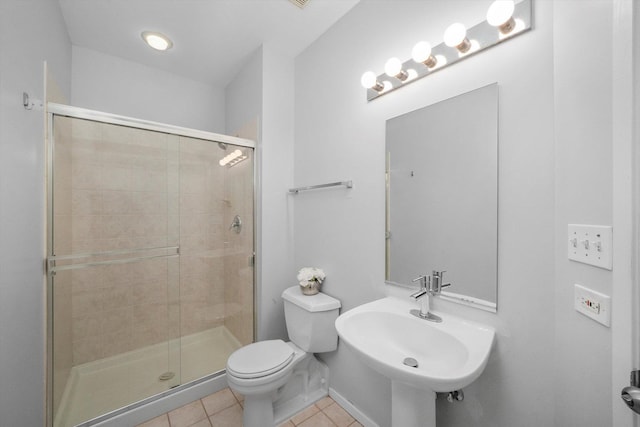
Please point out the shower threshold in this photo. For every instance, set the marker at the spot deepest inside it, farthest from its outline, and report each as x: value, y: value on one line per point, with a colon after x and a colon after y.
x: 105, y: 385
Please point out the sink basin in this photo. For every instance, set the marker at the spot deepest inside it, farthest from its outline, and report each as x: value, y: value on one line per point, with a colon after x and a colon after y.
x: 450, y: 355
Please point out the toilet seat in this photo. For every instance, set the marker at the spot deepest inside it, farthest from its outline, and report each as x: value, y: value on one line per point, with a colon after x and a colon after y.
x: 260, y: 359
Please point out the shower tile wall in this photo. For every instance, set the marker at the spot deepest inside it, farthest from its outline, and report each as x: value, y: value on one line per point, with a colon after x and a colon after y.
x: 239, y: 272
x: 120, y: 182
x: 119, y: 188
x: 202, y: 245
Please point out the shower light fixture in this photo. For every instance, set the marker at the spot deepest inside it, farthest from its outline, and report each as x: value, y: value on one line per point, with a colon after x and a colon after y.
x: 158, y: 41
x: 504, y: 20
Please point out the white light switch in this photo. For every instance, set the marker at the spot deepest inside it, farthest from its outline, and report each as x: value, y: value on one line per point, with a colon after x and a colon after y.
x: 590, y: 244
x: 592, y: 304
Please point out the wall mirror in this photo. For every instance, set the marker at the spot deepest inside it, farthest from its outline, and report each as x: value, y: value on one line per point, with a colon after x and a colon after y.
x: 442, y: 196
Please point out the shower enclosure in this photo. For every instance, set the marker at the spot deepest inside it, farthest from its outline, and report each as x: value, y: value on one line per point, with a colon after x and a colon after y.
x: 150, y: 259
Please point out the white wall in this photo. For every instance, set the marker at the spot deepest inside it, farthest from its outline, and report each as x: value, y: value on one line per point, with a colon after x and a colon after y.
x: 30, y: 33
x: 243, y: 95
x: 276, y: 175
x: 541, y: 340
x: 583, y: 129
x: 114, y: 85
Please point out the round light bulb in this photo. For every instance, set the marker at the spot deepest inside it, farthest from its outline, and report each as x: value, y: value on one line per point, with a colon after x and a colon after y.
x: 369, y: 80
x: 237, y: 153
x: 157, y: 41
x: 421, y: 51
x: 222, y: 162
x: 455, y: 35
x: 500, y: 12
x: 393, y: 67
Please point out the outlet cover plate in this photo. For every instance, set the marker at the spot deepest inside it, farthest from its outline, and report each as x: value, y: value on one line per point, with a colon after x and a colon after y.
x: 592, y: 304
x: 591, y: 244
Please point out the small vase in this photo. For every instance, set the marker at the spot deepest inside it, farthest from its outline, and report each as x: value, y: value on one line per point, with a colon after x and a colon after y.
x: 311, y: 288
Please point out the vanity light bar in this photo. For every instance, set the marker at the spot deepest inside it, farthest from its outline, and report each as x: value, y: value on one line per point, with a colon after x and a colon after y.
x: 232, y: 159
x: 505, y: 19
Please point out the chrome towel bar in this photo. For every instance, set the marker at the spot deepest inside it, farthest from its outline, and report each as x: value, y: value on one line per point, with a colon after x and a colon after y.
x: 348, y: 184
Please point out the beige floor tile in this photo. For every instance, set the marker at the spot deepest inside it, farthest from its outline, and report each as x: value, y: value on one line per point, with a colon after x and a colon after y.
x: 287, y: 424
x: 216, y: 402
x: 161, y: 421
x: 303, y: 415
x: 230, y: 417
x: 318, y: 420
x: 187, y: 415
x: 202, y: 423
x: 338, y: 415
x: 356, y: 424
x: 238, y: 396
x: 324, y: 402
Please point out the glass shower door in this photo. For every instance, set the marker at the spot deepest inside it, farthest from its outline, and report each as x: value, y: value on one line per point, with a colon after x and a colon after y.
x: 114, y: 267
x: 216, y: 254
x: 150, y: 262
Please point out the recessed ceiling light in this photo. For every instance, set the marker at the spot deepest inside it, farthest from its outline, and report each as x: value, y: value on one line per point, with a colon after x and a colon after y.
x: 158, y: 41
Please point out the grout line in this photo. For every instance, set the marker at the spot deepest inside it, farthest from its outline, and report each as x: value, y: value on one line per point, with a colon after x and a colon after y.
x: 206, y: 416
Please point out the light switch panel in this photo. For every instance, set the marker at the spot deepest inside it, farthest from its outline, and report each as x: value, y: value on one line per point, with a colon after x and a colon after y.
x: 591, y: 244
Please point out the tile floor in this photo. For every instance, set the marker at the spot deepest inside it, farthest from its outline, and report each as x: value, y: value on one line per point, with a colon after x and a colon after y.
x: 224, y: 409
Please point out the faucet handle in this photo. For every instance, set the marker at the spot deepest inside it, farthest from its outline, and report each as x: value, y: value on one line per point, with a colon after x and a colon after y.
x: 438, y: 281
x: 422, y: 280
x: 439, y: 274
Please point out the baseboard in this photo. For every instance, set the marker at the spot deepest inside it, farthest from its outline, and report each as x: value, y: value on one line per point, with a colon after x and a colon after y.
x: 351, y: 409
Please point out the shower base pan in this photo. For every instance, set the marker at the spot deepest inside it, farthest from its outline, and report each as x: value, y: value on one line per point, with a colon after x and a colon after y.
x: 102, y: 386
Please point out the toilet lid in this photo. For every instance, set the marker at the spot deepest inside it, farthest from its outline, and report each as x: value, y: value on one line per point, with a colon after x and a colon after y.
x: 260, y: 359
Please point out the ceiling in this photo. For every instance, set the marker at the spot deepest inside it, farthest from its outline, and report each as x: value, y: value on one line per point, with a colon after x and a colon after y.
x: 212, y: 39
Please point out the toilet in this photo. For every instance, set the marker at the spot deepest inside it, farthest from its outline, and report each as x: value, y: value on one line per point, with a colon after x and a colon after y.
x: 285, y: 375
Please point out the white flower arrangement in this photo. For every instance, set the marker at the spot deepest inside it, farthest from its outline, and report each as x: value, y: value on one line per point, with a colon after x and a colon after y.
x: 310, y: 274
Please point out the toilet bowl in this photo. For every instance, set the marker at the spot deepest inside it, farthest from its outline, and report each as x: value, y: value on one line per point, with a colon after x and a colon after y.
x: 263, y: 366
x: 286, y: 375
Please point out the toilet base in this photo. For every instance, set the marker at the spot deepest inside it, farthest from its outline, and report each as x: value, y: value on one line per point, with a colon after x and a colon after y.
x: 309, y: 383
x: 261, y: 413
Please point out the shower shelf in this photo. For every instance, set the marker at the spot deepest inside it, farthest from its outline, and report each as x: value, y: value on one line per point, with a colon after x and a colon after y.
x: 348, y: 184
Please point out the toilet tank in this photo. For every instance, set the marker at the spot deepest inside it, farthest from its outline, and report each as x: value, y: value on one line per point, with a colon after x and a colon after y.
x: 311, y: 320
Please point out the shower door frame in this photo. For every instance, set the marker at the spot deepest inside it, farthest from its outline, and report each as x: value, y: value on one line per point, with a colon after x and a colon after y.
x: 55, y: 109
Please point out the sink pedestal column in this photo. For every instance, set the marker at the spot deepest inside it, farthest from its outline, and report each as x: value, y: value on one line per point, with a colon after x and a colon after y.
x: 411, y: 406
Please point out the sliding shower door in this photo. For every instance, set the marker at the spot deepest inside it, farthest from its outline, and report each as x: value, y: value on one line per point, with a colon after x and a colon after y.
x: 216, y: 254
x: 150, y: 262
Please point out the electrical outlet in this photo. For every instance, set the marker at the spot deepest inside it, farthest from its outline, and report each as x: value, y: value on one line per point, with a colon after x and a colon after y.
x: 593, y: 304
x: 591, y: 244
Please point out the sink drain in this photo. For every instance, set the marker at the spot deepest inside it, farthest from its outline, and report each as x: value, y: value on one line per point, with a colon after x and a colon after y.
x: 166, y: 376
x: 410, y: 361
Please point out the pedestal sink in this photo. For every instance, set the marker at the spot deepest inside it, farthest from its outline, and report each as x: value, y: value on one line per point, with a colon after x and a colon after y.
x: 449, y: 355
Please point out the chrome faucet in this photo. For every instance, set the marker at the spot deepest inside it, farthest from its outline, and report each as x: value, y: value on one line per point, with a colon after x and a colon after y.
x: 430, y: 286
x: 423, y: 294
